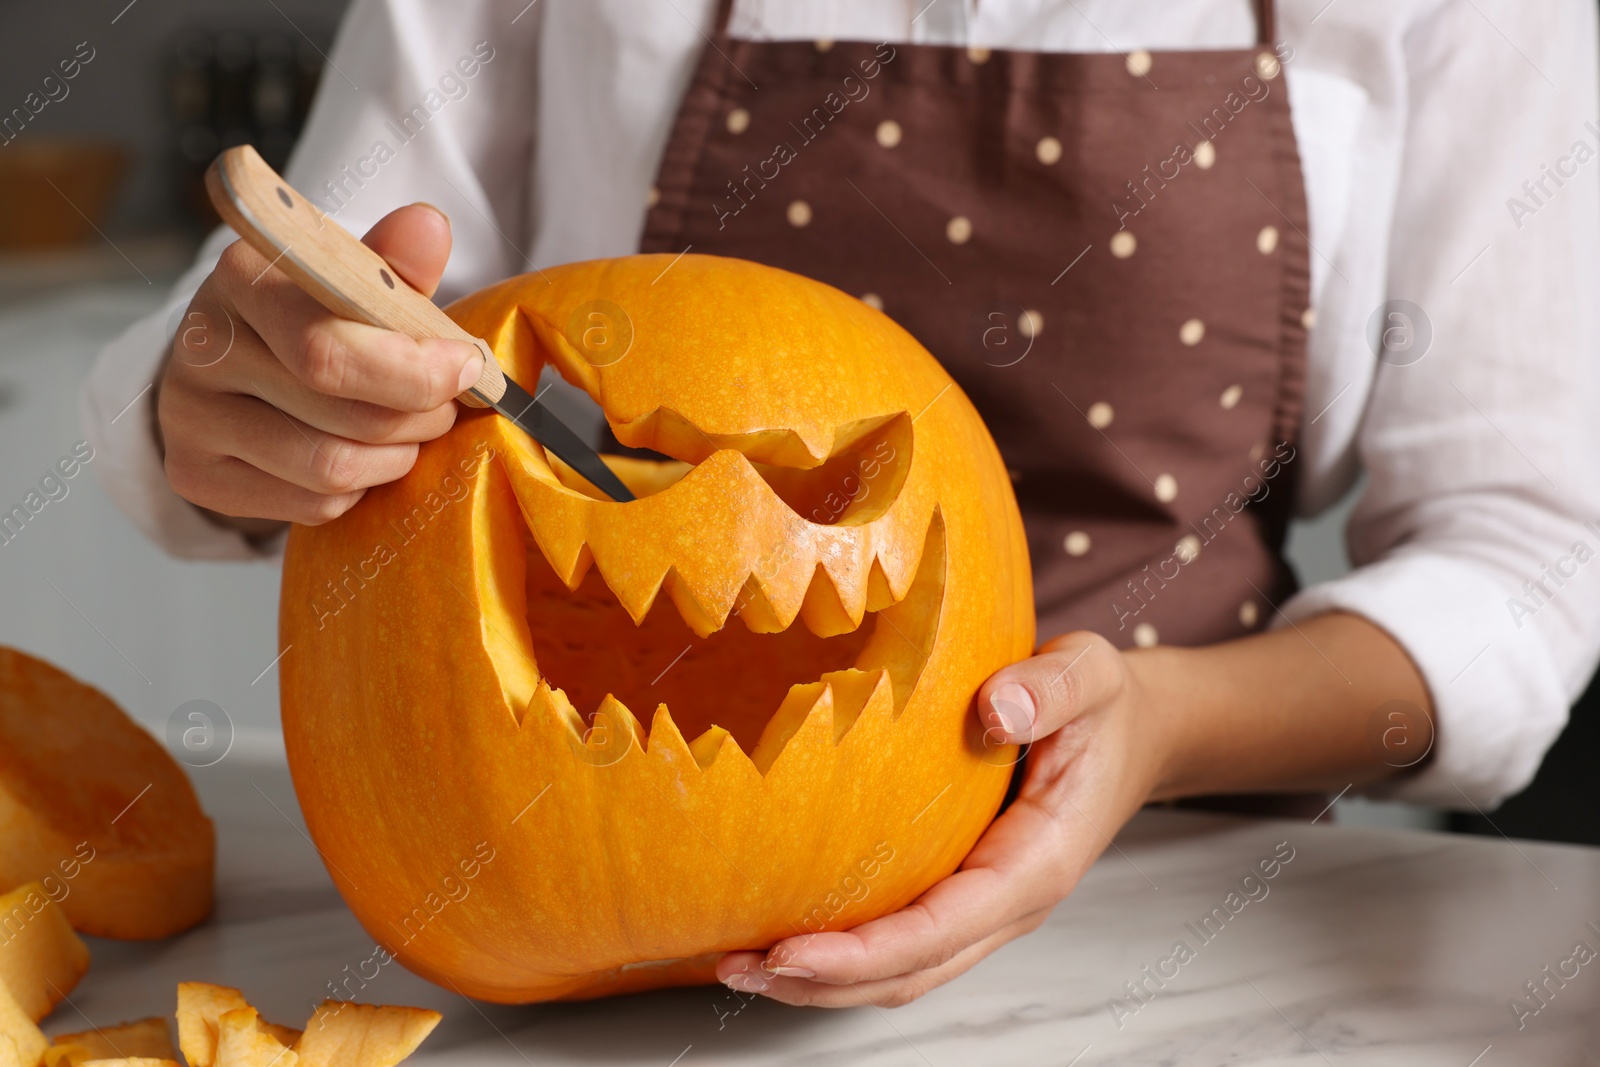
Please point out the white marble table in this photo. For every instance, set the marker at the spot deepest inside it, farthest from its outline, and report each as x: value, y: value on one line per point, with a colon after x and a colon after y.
x: 1368, y: 947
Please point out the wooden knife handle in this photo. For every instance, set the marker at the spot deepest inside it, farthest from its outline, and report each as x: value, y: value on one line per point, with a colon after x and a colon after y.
x: 327, y: 261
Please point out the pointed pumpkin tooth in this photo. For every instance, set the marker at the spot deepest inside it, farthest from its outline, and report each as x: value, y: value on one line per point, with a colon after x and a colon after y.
x: 880, y: 591
x: 612, y: 733
x: 853, y: 692
x: 775, y: 591
x: 634, y: 589
x: 580, y: 567
x: 801, y: 723
x: 895, y: 568
x: 558, y: 531
x: 703, y: 617
x: 757, y: 612
x: 549, y: 708
x: 711, y: 744
x: 874, y: 725
x: 823, y: 612
x: 666, y: 744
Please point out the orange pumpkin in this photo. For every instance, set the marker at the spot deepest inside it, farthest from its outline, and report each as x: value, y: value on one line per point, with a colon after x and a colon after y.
x: 471, y: 645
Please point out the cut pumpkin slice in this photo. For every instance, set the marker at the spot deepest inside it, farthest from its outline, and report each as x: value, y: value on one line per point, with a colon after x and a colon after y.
x: 94, y: 804
x: 147, y: 1039
x: 20, y: 1039
x: 363, y: 1035
x: 242, y: 1042
x: 218, y: 1028
x: 200, y: 1011
x: 41, y: 959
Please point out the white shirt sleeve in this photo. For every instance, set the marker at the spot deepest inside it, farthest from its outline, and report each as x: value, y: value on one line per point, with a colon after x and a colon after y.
x: 418, y: 101
x: 1471, y: 542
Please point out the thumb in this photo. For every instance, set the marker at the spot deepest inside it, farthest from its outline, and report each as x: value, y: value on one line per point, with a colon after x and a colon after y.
x: 415, y: 239
x: 1027, y: 701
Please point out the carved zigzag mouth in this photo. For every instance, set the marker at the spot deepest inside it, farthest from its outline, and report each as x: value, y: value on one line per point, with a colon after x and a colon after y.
x: 608, y: 648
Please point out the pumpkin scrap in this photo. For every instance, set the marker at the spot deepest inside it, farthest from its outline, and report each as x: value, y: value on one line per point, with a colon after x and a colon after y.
x: 41, y: 959
x: 145, y: 1039
x: 800, y: 606
x: 20, y: 1039
x: 133, y: 1061
x: 96, y: 810
x: 241, y: 1042
x: 200, y: 1011
x: 218, y: 1028
x: 373, y: 1036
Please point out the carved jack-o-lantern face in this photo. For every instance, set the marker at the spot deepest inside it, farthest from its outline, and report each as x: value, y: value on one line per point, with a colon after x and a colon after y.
x: 800, y: 604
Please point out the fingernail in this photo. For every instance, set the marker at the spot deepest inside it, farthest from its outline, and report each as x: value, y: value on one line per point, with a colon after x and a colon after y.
x: 1012, y: 706
x: 434, y: 208
x: 470, y: 373
x: 745, y: 982
x: 795, y: 972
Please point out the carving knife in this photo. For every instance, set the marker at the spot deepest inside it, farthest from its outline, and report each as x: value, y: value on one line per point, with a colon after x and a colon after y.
x: 354, y: 282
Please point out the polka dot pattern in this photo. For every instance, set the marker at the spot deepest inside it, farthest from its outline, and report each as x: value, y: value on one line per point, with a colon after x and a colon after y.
x: 1157, y: 325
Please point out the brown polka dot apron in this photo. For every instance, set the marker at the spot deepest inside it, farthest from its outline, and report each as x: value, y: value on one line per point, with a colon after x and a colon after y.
x: 1106, y: 251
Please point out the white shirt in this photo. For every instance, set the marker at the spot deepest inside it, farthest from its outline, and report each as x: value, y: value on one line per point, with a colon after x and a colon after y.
x: 1440, y: 145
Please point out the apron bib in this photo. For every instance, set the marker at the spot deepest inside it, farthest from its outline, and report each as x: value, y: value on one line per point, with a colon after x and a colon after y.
x: 1108, y: 254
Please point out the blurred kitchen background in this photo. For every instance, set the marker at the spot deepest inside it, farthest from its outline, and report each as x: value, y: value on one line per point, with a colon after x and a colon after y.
x: 101, y: 207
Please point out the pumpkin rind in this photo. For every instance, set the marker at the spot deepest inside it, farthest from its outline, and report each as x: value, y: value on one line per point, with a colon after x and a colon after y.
x: 463, y: 817
x: 96, y: 809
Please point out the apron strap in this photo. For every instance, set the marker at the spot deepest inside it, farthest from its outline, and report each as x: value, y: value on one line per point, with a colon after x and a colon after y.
x: 724, y: 13
x: 1266, y: 28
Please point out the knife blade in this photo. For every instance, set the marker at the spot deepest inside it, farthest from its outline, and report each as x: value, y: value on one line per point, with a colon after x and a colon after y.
x: 354, y: 282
